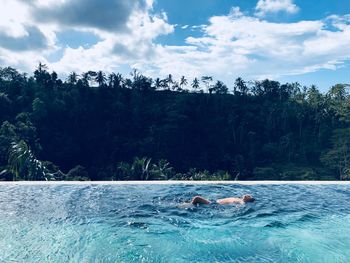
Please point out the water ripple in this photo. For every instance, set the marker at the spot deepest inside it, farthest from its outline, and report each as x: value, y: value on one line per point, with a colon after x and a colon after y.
x: 150, y: 223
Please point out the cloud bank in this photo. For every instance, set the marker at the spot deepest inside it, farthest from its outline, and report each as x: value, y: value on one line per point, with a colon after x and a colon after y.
x: 227, y: 46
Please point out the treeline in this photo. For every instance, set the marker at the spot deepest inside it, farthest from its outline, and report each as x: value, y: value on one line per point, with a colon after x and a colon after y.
x: 97, y: 127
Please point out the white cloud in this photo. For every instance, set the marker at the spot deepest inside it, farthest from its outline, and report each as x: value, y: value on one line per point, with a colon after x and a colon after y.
x: 274, y: 6
x: 138, y: 28
x: 239, y: 45
x: 230, y: 45
x: 12, y: 22
x: 118, y: 48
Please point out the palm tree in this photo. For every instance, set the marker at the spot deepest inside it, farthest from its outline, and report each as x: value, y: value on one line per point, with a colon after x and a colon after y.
x: 138, y: 170
x: 115, y: 80
x: 169, y: 80
x: 183, y: 81
x: 100, y: 78
x: 86, y: 77
x: 23, y: 164
x: 126, y: 172
x: 161, y: 170
x: 110, y: 80
x: 127, y: 83
x: 338, y: 91
x: 195, y: 84
x: 141, y: 168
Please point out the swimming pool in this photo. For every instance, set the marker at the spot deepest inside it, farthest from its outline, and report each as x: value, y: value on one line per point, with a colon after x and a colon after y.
x: 144, y: 223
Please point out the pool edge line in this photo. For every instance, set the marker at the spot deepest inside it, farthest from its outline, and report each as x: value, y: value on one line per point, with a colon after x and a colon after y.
x: 170, y: 182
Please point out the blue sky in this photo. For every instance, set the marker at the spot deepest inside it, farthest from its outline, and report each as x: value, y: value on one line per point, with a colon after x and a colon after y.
x: 306, y: 41
x: 308, y: 10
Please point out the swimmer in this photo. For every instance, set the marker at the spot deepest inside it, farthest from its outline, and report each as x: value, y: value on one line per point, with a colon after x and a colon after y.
x: 198, y: 200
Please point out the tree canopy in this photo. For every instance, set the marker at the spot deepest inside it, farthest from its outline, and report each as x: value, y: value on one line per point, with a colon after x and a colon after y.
x: 102, y: 126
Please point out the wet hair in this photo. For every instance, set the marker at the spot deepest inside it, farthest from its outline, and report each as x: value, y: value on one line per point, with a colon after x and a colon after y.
x: 250, y: 198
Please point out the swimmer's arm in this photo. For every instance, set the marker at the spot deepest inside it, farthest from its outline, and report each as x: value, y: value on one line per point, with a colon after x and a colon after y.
x: 200, y: 200
x: 230, y: 200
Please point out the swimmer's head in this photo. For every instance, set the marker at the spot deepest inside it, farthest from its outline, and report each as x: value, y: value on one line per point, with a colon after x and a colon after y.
x: 248, y: 198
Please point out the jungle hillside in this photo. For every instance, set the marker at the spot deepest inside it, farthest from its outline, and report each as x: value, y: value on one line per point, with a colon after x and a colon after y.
x: 95, y: 126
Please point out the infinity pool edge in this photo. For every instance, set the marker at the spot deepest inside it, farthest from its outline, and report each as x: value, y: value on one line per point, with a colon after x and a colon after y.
x: 170, y: 182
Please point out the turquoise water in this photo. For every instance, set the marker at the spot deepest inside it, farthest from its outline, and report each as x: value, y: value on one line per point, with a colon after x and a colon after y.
x: 144, y: 223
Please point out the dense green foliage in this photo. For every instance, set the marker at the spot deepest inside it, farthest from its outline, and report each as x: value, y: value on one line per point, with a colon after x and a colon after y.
x: 102, y: 128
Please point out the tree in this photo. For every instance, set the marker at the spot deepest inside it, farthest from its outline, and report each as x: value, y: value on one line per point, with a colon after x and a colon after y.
x: 100, y: 78
x: 7, y: 136
x: 23, y: 164
x: 207, y: 80
x: 10, y: 74
x: 5, y: 106
x: 158, y: 83
x: 220, y: 88
x: 241, y: 86
x: 270, y: 89
x: 264, y: 125
x: 41, y: 75
x: 195, y: 84
x: 78, y: 173
x: 339, y: 101
x: 169, y: 81
x: 338, y: 91
x: 142, y: 167
x: 161, y: 170
x: 72, y: 78
x: 176, y: 86
x: 138, y: 170
x: 141, y: 82
x: 54, y: 76
x: 110, y: 80
x: 39, y: 108
x: 338, y: 157
x: 86, y: 78
x: 183, y: 82
x: 42, y: 67
x: 127, y: 83
x: 115, y: 80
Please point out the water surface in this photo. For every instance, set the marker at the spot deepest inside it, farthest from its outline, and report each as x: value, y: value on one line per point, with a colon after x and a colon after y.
x: 144, y: 223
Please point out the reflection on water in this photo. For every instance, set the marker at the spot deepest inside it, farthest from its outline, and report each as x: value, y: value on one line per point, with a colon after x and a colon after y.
x: 146, y: 223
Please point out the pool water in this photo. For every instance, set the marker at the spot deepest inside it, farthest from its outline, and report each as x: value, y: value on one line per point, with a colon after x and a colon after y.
x: 147, y: 223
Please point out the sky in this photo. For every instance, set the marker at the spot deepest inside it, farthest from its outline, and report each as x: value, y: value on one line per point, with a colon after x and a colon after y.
x: 305, y: 41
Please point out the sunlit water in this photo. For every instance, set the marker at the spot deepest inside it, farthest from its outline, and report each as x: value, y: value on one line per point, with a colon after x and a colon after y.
x: 144, y: 223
